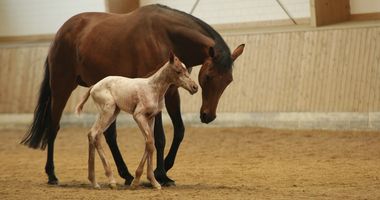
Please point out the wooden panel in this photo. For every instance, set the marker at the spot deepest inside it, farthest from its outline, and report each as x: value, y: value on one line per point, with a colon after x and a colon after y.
x: 324, y: 12
x: 122, y: 6
x: 26, y: 39
x: 365, y: 16
x: 329, y: 70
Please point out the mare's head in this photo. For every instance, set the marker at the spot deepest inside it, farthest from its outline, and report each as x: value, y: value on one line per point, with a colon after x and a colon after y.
x: 179, y: 75
x: 214, y: 76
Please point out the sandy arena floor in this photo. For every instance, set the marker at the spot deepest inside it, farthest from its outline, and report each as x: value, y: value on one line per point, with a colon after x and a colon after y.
x: 213, y: 163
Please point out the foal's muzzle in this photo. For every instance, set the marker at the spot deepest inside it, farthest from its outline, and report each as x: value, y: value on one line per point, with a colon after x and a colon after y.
x: 193, y: 88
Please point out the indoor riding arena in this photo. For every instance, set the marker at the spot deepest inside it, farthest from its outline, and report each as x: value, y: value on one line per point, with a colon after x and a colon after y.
x: 300, y: 120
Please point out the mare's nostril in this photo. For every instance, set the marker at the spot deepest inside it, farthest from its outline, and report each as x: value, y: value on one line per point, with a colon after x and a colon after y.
x: 203, y: 115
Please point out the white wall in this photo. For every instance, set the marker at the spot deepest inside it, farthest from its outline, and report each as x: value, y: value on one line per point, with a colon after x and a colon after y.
x: 364, y: 6
x: 232, y: 11
x: 29, y: 17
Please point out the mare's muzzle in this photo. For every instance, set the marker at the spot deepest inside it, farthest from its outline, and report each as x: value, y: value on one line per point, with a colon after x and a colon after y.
x: 207, y: 117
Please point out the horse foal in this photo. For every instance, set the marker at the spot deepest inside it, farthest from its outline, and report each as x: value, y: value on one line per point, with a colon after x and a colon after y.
x: 143, y: 98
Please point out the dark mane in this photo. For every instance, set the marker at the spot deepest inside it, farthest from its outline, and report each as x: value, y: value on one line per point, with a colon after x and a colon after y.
x: 223, y: 54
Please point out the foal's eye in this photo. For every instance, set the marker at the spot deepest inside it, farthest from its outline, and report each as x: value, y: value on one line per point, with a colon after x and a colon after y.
x: 178, y: 72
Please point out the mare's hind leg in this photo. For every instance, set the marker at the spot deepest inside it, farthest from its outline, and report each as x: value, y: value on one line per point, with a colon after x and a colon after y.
x: 60, y: 94
x: 111, y: 135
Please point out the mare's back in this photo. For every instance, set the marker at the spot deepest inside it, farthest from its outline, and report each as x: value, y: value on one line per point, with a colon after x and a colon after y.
x: 102, y: 44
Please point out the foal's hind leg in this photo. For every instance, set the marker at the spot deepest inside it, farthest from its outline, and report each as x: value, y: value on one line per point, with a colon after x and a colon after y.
x: 91, y: 161
x: 106, y: 117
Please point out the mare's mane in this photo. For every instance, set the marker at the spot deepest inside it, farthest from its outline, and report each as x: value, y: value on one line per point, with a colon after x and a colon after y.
x: 222, y: 58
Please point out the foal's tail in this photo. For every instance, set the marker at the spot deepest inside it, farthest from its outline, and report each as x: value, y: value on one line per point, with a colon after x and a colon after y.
x: 79, y: 107
x: 38, y: 133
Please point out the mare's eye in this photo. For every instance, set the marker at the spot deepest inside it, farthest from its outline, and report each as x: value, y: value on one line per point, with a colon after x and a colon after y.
x: 178, y: 72
x: 208, y: 78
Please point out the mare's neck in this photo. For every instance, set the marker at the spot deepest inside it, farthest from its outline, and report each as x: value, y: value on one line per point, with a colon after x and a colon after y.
x: 160, y: 81
x: 190, y: 44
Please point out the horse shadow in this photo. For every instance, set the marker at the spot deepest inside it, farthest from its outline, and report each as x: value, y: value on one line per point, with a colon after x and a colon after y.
x: 147, y: 185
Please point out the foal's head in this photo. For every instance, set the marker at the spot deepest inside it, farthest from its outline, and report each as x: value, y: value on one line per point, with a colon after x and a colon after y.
x: 179, y: 75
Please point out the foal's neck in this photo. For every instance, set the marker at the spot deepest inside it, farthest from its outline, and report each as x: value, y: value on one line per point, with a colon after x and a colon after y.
x: 160, y: 81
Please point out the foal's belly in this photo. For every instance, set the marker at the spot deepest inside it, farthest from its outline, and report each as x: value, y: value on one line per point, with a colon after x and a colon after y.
x: 127, y: 103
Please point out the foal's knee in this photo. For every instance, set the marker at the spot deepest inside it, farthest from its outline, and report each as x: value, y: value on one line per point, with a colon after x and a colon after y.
x: 91, y: 138
x: 150, y: 146
x: 138, y: 172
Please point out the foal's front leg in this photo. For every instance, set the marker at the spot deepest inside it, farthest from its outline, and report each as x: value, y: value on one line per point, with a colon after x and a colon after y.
x: 111, y: 135
x: 146, y: 127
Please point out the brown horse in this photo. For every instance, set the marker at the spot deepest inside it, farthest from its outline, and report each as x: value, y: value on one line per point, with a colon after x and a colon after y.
x: 91, y: 46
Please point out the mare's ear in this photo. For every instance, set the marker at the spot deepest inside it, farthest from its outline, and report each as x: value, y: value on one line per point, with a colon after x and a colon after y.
x: 237, y: 52
x: 211, y: 52
x: 171, y: 56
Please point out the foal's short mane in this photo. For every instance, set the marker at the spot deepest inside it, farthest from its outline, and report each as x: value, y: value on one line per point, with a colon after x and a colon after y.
x: 223, y: 54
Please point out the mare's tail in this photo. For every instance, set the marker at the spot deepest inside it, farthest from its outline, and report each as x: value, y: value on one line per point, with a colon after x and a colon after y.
x: 79, y: 107
x: 38, y: 133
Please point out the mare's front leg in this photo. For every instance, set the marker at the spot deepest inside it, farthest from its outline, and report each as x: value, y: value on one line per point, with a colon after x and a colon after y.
x: 172, y: 102
x: 159, y: 141
x: 173, y: 106
x: 111, y: 135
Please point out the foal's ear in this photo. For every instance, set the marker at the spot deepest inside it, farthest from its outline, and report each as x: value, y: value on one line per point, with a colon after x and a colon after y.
x: 171, y: 56
x: 237, y: 52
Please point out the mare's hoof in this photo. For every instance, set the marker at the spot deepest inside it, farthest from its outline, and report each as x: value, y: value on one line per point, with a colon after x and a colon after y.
x: 128, y: 182
x: 53, y: 181
x: 165, y: 181
x: 168, y: 184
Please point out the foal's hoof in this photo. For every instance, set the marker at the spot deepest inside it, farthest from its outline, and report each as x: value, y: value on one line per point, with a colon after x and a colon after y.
x: 134, y: 185
x: 157, y: 186
x: 96, y: 186
x: 113, y: 186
